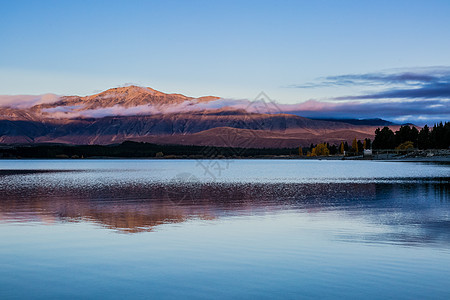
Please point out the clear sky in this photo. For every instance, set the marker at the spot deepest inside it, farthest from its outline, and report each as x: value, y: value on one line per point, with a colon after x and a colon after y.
x: 289, y: 49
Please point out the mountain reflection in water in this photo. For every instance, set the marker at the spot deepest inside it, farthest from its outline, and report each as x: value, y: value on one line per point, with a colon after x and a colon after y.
x: 137, y: 207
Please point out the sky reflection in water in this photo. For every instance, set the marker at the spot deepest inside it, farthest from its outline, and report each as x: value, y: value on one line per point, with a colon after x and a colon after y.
x: 258, y: 229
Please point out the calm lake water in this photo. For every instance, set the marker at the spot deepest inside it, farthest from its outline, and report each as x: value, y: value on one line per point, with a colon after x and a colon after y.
x: 224, y: 229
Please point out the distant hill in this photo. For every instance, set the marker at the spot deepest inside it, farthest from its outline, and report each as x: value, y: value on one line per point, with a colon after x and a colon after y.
x: 369, y: 122
x: 144, y: 114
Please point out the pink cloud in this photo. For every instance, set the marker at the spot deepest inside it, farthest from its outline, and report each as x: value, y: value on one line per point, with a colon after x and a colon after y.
x: 26, y: 101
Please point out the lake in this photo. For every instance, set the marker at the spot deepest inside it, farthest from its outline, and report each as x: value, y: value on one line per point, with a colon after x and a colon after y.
x: 224, y: 229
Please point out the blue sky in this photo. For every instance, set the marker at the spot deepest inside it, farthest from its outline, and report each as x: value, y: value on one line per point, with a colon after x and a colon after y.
x: 288, y: 49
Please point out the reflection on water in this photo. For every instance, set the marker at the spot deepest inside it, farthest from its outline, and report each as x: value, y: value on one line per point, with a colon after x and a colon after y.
x: 131, y: 208
x: 274, y: 234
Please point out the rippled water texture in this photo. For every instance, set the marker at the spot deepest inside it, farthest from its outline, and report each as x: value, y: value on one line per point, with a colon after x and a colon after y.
x: 221, y: 229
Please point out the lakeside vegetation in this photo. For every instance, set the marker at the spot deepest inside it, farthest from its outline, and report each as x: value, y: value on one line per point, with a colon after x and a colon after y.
x: 438, y: 137
x: 407, y: 137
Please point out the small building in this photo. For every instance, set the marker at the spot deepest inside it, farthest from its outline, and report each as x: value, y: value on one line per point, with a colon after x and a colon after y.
x: 367, y: 153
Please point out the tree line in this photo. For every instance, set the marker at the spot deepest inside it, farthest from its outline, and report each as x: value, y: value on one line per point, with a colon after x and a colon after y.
x: 325, y: 149
x: 438, y: 137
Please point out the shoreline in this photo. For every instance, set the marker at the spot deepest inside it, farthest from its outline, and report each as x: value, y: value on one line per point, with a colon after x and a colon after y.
x: 152, y: 151
x: 439, y: 159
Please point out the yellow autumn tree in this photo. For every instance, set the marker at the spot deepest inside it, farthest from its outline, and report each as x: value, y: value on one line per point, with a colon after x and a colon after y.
x: 320, y: 150
x: 342, y: 148
x: 355, y: 145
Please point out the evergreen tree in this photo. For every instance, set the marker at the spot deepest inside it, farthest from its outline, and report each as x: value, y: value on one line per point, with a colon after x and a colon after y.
x: 438, y: 137
x: 333, y: 149
x: 424, y: 139
x: 384, y: 139
x: 446, y: 143
x: 405, y: 134
x: 414, y: 136
x: 360, y: 146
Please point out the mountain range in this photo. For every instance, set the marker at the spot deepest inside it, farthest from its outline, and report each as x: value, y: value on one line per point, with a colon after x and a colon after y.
x: 147, y: 115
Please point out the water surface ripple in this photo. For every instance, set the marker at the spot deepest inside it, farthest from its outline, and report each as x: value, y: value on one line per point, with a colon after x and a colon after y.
x: 251, y: 228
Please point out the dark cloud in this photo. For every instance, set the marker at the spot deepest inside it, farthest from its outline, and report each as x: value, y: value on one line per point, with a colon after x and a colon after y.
x: 377, y: 79
x: 374, y: 79
x: 435, y: 107
x: 420, y: 95
x: 428, y: 91
x: 418, y: 112
x: 432, y: 82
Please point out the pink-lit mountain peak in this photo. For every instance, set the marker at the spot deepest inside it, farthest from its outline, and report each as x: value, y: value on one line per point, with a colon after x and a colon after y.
x: 128, y: 96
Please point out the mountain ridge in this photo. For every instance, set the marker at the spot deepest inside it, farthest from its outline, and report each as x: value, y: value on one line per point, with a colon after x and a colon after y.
x: 128, y: 96
x: 128, y: 113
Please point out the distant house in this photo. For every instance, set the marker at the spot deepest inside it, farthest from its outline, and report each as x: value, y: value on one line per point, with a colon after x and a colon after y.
x: 367, y: 152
